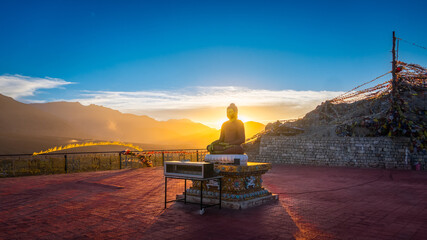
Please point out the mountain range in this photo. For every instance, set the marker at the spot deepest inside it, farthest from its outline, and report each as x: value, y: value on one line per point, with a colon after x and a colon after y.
x: 26, y: 128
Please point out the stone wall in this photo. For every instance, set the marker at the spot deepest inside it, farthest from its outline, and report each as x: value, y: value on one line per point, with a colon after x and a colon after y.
x: 374, y: 152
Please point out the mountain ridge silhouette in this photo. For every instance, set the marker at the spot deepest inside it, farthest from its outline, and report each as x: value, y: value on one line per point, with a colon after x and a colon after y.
x: 37, y: 126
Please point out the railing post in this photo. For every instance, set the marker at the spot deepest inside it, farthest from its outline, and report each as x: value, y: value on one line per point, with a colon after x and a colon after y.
x: 120, y: 160
x: 111, y: 166
x: 197, y: 155
x: 66, y: 163
x: 163, y: 158
x: 52, y: 165
x: 13, y: 167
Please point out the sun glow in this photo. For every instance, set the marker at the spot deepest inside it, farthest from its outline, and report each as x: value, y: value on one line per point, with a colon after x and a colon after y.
x: 225, y: 119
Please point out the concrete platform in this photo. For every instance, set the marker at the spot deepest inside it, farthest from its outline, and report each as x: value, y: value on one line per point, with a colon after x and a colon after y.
x: 238, y: 205
x: 315, y: 203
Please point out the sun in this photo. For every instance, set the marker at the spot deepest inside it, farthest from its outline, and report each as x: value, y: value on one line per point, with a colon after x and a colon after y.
x: 244, y: 118
x: 225, y: 119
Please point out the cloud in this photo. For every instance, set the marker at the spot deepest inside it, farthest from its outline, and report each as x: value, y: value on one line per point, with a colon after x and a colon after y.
x: 202, y: 97
x: 201, y: 104
x: 208, y: 103
x: 18, y: 86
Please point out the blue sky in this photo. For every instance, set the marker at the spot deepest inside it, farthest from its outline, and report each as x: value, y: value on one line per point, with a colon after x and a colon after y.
x: 89, y: 51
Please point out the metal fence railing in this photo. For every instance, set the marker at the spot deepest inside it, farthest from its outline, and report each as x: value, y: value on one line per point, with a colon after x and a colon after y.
x: 13, y: 165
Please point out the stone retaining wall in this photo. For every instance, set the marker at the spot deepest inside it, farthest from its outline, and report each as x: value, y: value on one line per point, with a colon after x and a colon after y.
x: 374, y: 152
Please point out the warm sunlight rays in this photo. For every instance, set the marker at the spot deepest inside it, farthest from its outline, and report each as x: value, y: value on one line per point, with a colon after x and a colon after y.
x: 208, y: 105
x: 306, y: 229
x: 225, y: 119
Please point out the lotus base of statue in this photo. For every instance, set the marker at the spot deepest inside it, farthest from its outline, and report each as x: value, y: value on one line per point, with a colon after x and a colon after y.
x: 241, y: 186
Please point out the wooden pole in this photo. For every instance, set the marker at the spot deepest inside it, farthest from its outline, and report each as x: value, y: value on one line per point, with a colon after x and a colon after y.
x: 120, y: 160
x: 65, y: 163
x: 393, y: 68
x: 163, y: 158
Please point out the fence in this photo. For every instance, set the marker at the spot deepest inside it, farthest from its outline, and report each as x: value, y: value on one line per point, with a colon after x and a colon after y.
x: 27, y: 164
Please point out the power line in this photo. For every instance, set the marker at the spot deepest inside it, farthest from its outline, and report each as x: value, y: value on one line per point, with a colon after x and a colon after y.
x: 344, y: 95
x: 417, y: 45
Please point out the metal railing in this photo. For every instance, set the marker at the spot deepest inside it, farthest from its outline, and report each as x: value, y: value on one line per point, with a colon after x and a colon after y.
x: 13, y: 165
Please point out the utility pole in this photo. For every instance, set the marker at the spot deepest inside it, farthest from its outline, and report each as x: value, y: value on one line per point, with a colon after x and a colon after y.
x: 393, y: 68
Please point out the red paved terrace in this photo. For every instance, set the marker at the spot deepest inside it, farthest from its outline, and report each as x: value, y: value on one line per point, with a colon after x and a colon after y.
x: 315, y: 203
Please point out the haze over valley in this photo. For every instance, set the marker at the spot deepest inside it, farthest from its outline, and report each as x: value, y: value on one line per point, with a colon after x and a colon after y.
x: 27, y: 128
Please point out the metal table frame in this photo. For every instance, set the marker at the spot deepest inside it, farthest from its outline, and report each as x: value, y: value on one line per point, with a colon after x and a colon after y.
x: 202, y: 206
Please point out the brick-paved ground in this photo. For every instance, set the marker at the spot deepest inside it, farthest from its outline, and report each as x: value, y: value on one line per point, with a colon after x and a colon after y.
x: 315, y: 203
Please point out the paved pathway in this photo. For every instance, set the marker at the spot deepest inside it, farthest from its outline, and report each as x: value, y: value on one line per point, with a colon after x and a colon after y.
x: 315, y: 203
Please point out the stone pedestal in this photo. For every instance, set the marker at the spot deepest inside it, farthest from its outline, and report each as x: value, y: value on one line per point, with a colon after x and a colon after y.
x: 241, y: 186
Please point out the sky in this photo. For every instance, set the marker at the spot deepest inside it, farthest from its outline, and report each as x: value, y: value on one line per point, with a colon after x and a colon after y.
x: 191, y: 59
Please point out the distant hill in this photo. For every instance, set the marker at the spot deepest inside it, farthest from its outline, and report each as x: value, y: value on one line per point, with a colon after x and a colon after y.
x: 252, y: 128
x: 108, y: 124
x: 104, y: 123
x: 22, y: 119
x: 26, y: 128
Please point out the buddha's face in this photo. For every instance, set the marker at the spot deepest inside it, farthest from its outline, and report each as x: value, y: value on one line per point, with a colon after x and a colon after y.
x: 231, y: 114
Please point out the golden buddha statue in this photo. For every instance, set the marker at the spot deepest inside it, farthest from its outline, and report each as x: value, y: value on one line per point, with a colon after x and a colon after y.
x: 232, y: 135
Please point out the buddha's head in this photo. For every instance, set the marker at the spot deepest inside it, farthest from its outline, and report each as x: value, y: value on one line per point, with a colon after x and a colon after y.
x: 232, y: 112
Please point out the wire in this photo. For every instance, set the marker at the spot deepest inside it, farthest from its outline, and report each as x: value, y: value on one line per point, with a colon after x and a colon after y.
x: 417, y: 45
x: 342, y: 95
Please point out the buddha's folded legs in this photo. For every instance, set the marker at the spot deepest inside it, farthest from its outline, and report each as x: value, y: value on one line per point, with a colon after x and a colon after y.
x: 230, y: 149
x: 235, y: 149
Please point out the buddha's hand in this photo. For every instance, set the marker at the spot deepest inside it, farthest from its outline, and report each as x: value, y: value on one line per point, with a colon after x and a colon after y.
x: 226, y: 145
